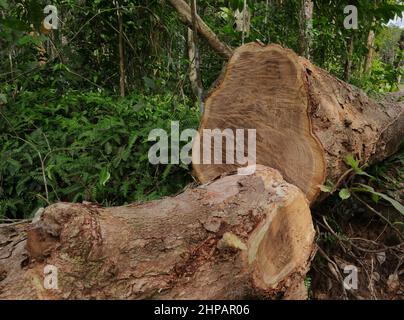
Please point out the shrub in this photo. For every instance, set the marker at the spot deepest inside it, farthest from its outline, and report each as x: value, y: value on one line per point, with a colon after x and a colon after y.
x: 85, y: 146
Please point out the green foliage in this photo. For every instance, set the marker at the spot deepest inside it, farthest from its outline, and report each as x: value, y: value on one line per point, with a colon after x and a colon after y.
x: 155, y: 39
x: 308, y: 286
x: 390, y: 173
x: 331, y: 39
x: 328, y: 239
x: 380, y: 174
x: 382, y: 78
x: 86, y: 43
x: 85, y: 146
x: 354, y: 164
x: 328, y: 187
x: 393, y: 202
x: 65, y: 136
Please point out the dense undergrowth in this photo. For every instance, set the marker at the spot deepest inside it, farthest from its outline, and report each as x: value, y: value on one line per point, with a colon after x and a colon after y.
x: 85, y: 146
x: 365, y: 232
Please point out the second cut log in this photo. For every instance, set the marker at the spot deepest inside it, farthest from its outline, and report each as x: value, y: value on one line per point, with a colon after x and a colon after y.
x: 306, y: 120
x: 237, y: 237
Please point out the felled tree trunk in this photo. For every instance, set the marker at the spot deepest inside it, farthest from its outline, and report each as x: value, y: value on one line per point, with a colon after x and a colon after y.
x: 237, y: 237
x: 306, y: 120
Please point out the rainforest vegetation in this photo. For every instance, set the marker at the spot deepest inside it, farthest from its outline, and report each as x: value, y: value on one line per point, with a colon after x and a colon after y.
x: 79, y: 100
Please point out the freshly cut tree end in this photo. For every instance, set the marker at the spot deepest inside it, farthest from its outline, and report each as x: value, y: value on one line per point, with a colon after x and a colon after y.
x: 237, y: 237
x: 306, y: 120
x: 263, y: 89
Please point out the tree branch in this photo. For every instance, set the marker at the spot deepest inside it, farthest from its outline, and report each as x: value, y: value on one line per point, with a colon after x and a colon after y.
x: 185, y: 15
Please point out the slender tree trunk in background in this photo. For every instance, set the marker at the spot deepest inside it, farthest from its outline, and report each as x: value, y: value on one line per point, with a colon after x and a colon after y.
x: 185, y: 15
x: 267, y: 5
x: 10, y: 53
x: 193, y: 71
x: 10, y: 59
x: 266, y: 12
x: 348, y: 59
x: 306, y: 27
x: 121, y: 51
x: 244, y: 21
x: 371, y: 52
x: 194, y: 74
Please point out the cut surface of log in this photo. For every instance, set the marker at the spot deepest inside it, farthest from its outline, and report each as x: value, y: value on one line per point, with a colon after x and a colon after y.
x: 236, y: 237
x: 306, y: 120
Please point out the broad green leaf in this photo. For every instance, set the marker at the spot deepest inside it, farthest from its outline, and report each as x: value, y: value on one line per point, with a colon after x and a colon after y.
x: 350, y: 160
x: 344, y: 194
x: 104, y: 176
x: 49, y: 171
x: 167, y: 171
x: 397, y: 205
x: 394, y: 203
x: 59, y: 66
x: 354, y: 164
x: 360, y: 172
x: 325, y: 188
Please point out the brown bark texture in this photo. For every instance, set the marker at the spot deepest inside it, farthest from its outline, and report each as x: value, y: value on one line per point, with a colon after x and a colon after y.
x: 236, y: 237
x: 306, y: 120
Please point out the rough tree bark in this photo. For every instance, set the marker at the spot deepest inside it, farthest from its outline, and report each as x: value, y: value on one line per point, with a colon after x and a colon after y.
x: 184, y: 12
x: 348, y: 59
x: 237, y: 237
x: 193, y: 69
x: 306, y: 27
x: 371, y: 51
x: 306, y: 120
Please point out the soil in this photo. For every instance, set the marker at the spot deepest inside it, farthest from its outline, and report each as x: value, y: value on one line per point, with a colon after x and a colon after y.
x: 350, y: 234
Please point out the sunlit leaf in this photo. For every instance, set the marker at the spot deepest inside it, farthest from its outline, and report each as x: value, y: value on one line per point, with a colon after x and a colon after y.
x: 344, y: 194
